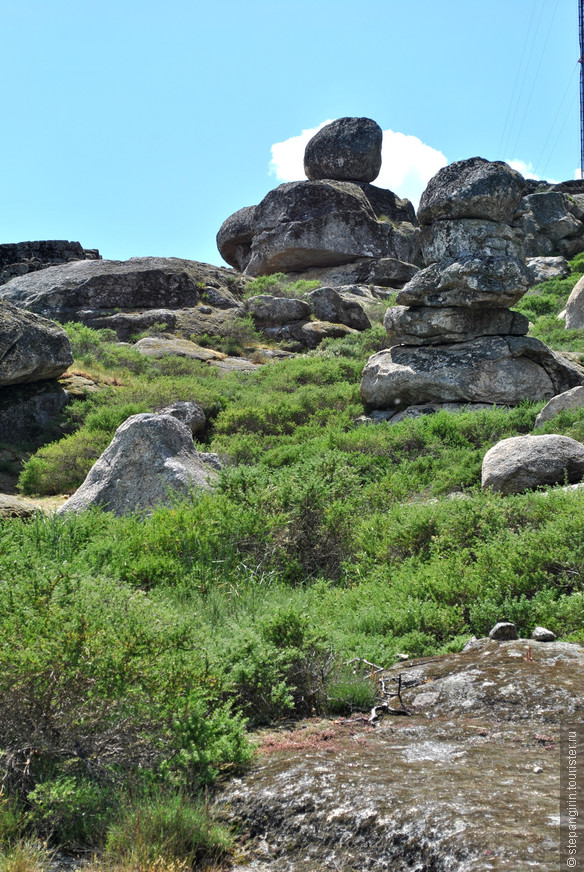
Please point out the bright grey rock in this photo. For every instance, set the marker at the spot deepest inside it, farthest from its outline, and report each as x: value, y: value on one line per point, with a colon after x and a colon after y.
x: 474, y: 282
x: 156, y: 346
x: 541, y: 634
x: 543, y: 268
x: 139, y: 283
x: 572, y: 399
x: 422, y: 325
x: 473, y: 188
x: 302, y: 225
x: 268, y: 310
x: 235, y: 236
x: 526, y: 462
x: 188, y: 413
x: 31, y: 348
x: 348, y: 149
x: 575, y: 307
x: 328, y: 305
x: 150, y: 460
x: 504, y: 631
x: 450, y: 240
x: 499, y: 369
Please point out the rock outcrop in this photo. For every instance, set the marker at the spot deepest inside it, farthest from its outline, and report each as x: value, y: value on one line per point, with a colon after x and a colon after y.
x: 526, y: 462
x: 454, y: 338
x: 572, y: 399
x: 150, y: 460
x: 19, y: 258
x: 333, y: 219
x: 92, y: 290
x: 575, y: 307
x: 32, y: 348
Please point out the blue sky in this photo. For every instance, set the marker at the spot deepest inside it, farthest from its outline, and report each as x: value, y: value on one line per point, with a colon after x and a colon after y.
x: 138, y: 127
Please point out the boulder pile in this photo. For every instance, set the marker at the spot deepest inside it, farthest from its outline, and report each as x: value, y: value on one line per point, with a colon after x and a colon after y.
x: 454, y: 338
x: 337, y: 217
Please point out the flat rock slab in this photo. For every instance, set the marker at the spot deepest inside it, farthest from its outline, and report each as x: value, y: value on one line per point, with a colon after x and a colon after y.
x: 526, y: 462
x: 425, y: 325
x: 139, y: 283
x: 501, y: 369
x: 153, y: 346
x: 469, y: 781
x: 475, y: 282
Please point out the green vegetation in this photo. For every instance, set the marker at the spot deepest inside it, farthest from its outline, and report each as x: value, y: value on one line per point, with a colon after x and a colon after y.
x: 278, y: 285
x: 136, y: 652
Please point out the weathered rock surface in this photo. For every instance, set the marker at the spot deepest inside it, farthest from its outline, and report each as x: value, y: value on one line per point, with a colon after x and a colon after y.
x: 384, y: 272
x: 150, y: 460
x: 348, y: 149
x: 482, y: 739
x: 328, y: 305
x: 499, y: 369
x: 29, y: 412
x: 542, y: 634
x: 551, y: 222
x: 504, y: 631
x: 19, y: 258
x: 473, y: 188
x: 235, y: 237
x: 306, y: 334
x: 154, y: 346
x: 472, y: 281
x: 572, y: 399
x: 128, y: 324
x: 62, y: 292
x: 422, y: 325
x: 267, y: 310
x: 188, y: 413
x: 301, y: 225
x: 31, y: 348
x: 543, y: 268
x: 15, y: 507
x: 575, y: 307
x: 446, y: 241
x: 526, y: 462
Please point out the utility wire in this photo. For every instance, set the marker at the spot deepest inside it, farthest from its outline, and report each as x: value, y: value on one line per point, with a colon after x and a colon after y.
x: 516, y: 80
x: 552, y: 127
x: 534, y: 79
x: 560, y: 132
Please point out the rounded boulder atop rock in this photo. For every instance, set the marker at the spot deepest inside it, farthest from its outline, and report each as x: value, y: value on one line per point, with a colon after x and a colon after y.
x: 348, y: 149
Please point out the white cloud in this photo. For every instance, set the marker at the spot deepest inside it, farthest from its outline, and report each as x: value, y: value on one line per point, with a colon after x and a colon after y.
x: 578, y: 173
x: 408, y: 164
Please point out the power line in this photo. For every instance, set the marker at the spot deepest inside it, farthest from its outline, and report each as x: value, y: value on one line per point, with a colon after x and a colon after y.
x: 552, y: 127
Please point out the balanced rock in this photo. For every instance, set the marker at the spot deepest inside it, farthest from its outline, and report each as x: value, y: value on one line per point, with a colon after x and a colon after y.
x: 150, y: 459
x: 542, y: 634
x: 572, y: 399
x: 423, y: 325
x: 498, y: 369
x: 301, y: 225
x: 473, y: 188
x: 31, y: 348
x: 348, y: 149
x: 526, y: 462
x: 504, y: 631
x: 328, y: 305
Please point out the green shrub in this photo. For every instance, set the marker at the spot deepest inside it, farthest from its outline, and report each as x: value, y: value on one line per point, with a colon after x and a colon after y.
x: 278, y: 285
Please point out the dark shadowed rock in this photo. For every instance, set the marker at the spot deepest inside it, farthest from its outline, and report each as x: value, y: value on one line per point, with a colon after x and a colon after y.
x: 551, y: 223
x: 20, y: 258
x: 302, y: 225
x: 499, y: 369
x: 272, y: 311
x: 384, y: 272
x: 328, y: 305
x: 31, y: 348
x: 572, y: 399
x: 423, y: 325
x: 139, y: 283
x: 128, y: 324
x: 474, y: 281
x: 149, y: 462
x: 348, y: 149
x: 235, y: 236
x: 473, y: 188
x: 504, y: 631
x: 30, y: 412
x: 526, y: 462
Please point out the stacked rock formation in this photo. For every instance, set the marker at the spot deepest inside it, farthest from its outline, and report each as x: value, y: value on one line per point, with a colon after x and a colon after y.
x: 336, y: 217
x: 454, y: 338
